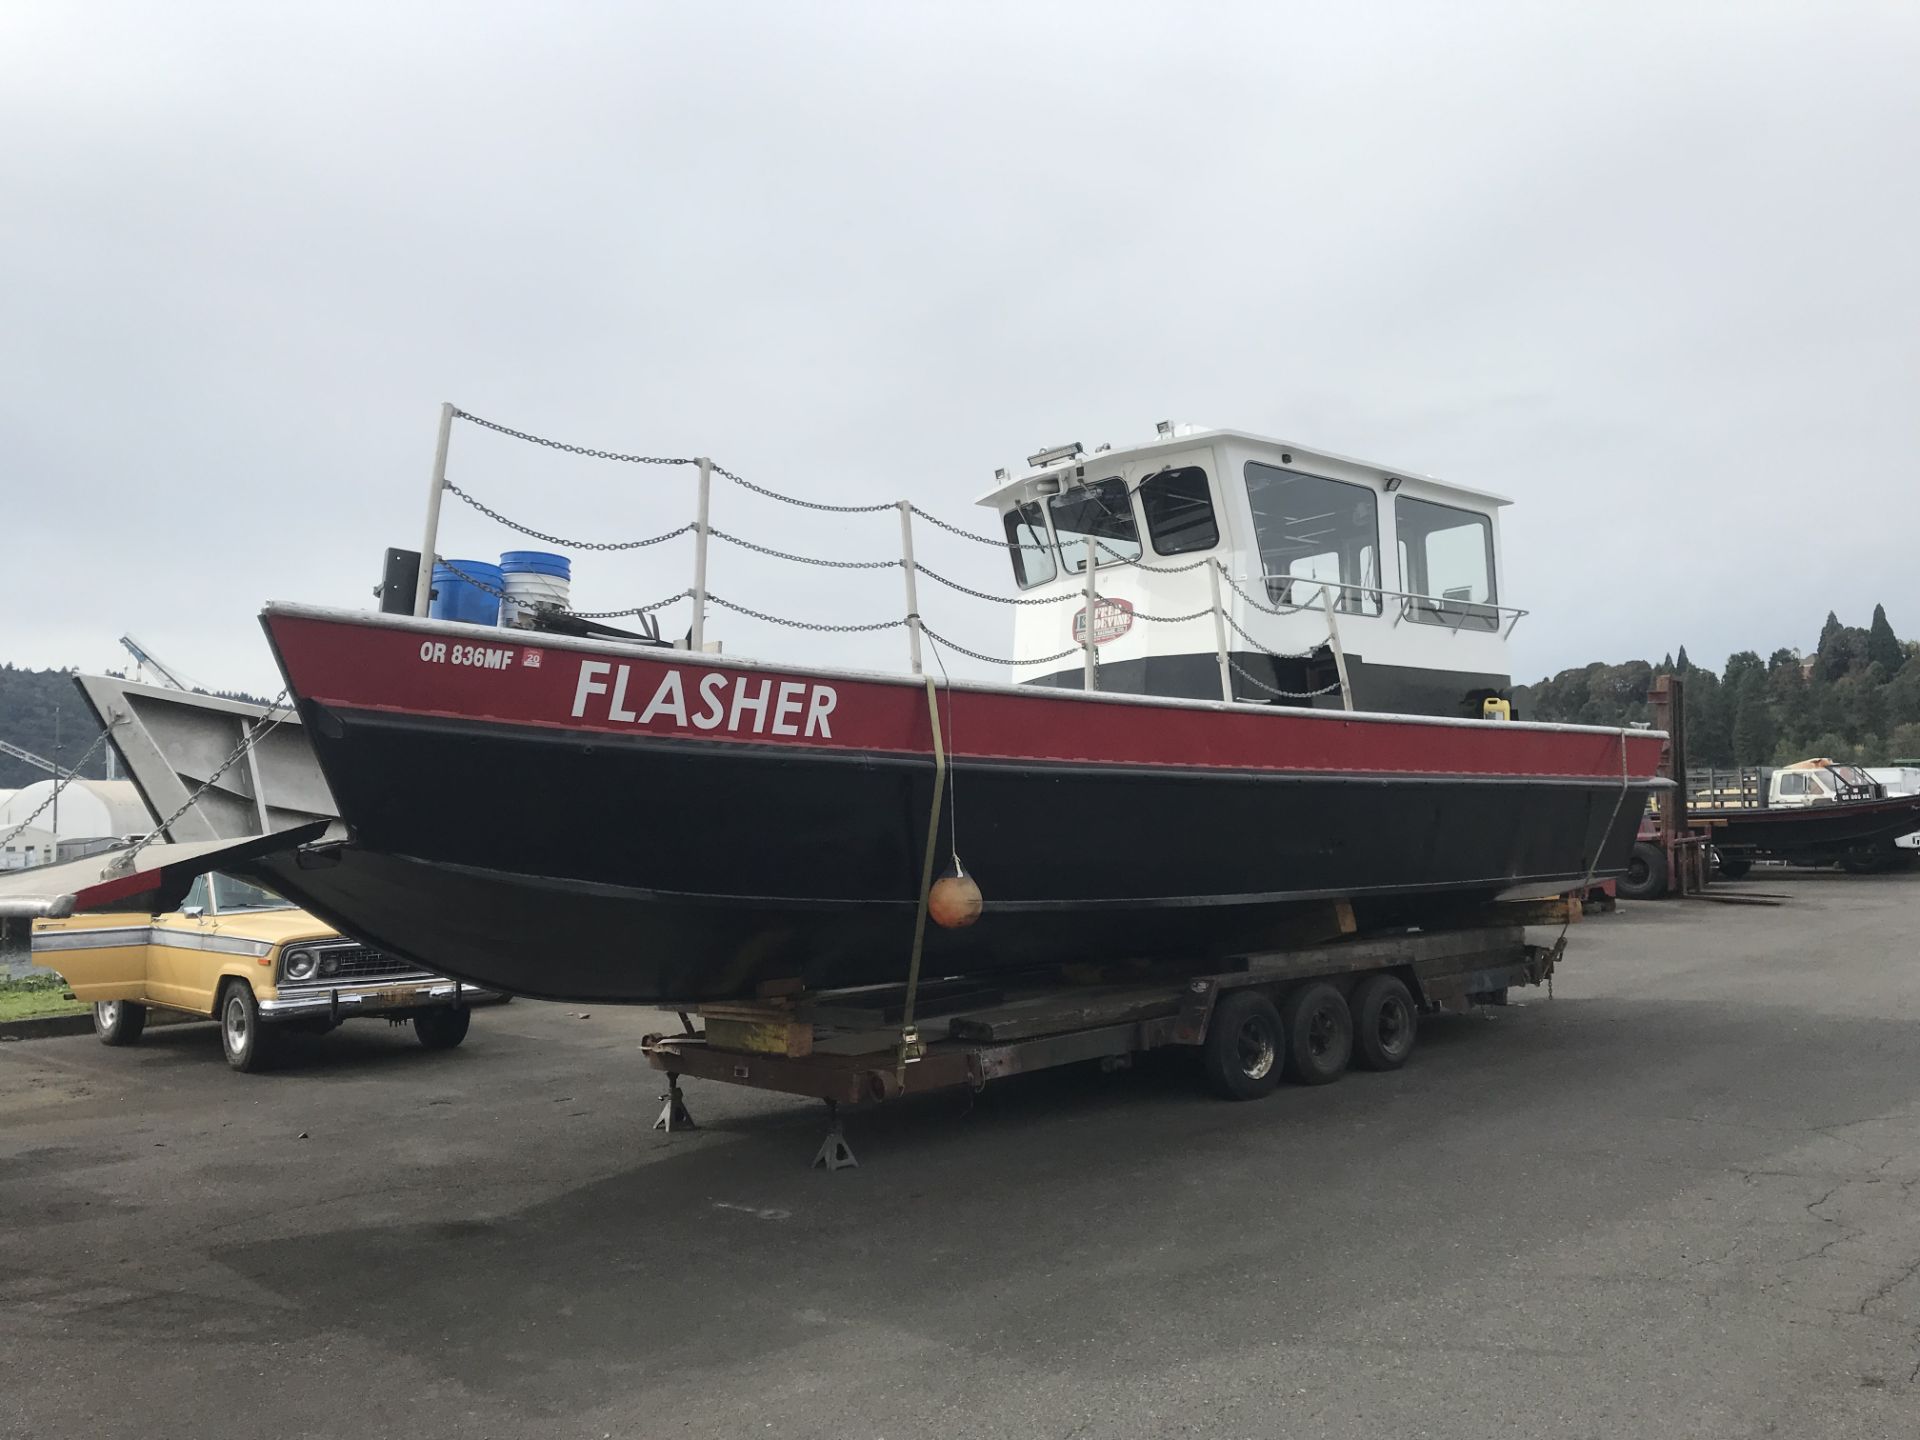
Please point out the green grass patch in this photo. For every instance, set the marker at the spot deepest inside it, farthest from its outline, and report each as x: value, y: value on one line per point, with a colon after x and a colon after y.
x: 29, y: 996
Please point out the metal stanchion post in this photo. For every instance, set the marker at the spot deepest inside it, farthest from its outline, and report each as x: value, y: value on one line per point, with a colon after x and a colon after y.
x: 697, y: 640
x: 913, y: 587
x: 423, y: 587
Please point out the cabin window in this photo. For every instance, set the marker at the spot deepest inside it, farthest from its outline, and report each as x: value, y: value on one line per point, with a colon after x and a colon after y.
x: 1446, y: 557
x: 1028, y: 544
x: 1312, y: 530
x: 1101, y: 510
x: 1179, y: 511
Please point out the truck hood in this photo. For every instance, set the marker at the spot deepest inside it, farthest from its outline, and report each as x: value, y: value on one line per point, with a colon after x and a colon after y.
x: 275, y: 927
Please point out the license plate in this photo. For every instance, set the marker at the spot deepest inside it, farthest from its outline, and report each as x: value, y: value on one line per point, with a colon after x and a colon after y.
x: 394, y: 995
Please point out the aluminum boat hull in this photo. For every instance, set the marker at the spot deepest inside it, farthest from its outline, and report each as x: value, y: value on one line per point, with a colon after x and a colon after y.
x: 1812, y: 833
x: 554, y: 818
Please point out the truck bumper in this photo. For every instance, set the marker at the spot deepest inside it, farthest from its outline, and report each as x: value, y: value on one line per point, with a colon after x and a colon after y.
x: 338, y: 1004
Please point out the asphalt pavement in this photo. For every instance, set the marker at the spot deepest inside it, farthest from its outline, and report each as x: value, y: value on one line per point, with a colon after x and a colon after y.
x: 1676, y: 1199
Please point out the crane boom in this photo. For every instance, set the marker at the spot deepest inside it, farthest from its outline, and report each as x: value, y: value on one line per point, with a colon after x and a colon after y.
x: 7, y: 748
x: 144, y: 657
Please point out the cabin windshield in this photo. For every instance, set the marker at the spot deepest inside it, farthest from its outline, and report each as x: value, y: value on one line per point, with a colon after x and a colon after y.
x: 1179, y: 511
x: 1101, y: 510
x: 1312, y: 530
x: 1852, y: 775
x: 1446, y: 556
x: 1029, y: 546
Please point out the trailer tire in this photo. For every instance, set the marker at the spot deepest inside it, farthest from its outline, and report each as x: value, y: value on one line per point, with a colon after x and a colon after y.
x: 1319, y: 1034
x: 1646, y: 877
x: 1386, y: 1023
x: 1734, y: 869
x: 1868, y: 860
x: 1245, y: 1047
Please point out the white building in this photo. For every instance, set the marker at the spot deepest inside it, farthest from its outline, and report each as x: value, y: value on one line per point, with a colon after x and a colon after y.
x: 88, y: 810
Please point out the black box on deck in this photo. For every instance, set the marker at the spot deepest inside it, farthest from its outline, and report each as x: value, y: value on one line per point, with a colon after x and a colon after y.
x: 398, y: 583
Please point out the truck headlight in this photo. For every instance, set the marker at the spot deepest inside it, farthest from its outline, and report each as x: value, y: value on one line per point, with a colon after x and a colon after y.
x: 300, y: 964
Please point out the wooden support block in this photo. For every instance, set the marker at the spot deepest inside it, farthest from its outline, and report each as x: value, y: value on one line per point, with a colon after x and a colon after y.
x: 1313, y: 924
x: 788, y: 1038
x: 1542, y: 910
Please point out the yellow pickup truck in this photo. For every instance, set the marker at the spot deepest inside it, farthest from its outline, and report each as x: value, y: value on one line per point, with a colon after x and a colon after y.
x: 237, y: 952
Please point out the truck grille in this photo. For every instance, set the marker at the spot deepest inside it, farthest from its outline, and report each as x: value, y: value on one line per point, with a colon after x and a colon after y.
x: 358, y: 965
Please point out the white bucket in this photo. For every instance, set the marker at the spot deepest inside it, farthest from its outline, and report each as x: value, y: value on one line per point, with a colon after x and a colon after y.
x: 526, y: 589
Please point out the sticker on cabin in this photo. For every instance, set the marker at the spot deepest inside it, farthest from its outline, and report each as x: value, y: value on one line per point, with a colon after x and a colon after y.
x: 530, y: 659
x: 1111, y: 620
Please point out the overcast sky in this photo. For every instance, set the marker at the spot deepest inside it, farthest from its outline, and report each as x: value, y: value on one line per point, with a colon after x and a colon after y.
x: 1653, y: 273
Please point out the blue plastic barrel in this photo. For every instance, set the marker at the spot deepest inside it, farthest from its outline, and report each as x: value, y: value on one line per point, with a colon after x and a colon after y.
x: 455, y: 599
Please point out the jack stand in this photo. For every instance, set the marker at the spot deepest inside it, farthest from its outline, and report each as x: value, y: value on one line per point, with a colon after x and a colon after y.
x: 835, y: 1153
x: 673, y: 1113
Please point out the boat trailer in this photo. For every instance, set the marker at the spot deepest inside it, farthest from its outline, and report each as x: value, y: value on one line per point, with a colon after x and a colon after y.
x: 850, y: 1047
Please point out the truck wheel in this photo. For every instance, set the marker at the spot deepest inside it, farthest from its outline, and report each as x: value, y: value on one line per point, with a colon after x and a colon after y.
x: 1319, y: 1034
x: 1646, y: 877
x: 250, y: 1046
x: 1245, y: 1047
x: 118, y: 1022
x: 444, y: 1028
x: 1734, y: 869
x: 1385, y: 1023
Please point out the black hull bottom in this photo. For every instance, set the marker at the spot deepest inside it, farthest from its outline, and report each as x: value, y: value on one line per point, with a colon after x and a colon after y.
x: 585, y: 868
x: 1818, y: 834
x: 565, y: 941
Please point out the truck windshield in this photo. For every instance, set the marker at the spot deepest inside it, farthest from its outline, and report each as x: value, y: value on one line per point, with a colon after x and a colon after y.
x: 230, y: 894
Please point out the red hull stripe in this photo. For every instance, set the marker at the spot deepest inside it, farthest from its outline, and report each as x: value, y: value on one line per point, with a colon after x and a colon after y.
x: 497, y: 676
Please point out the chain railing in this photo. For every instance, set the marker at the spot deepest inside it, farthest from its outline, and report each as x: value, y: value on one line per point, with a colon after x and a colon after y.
x: 498, y: 518
x: 562, y: 445
x: 1100, y: 557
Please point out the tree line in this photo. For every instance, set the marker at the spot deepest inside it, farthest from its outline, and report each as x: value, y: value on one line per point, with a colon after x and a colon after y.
x: 42, y: 711
x: 1856, y: 697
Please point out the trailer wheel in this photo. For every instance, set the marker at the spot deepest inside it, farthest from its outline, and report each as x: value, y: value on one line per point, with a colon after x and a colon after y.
x: 1245, y: 1047
x: 1868, y: 860
x: 1734, y: 869
x: 1385, y: 1023
x: 1646, y: 877
x: 1319, y: 1034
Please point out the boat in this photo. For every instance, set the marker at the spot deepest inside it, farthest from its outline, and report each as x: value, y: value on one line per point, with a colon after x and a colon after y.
x: 1815, y: 812
x: 586, y: 818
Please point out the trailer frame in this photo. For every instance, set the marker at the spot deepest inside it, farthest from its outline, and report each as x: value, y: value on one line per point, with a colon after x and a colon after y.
x: 846, y: 1047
